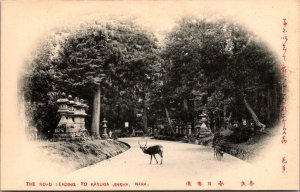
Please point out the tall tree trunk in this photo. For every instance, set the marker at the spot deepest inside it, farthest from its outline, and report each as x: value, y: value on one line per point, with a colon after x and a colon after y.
x: 145, y: 119
x: 229, y: 117
x: 256, y: 100
x: 195, y: 112
x: 228, y: 120
x: 186, y: 109
x: 185, y: 104
x: 224, y: 116
x: 169, y: 121
x: 254, y: 116
x: 96, y: 114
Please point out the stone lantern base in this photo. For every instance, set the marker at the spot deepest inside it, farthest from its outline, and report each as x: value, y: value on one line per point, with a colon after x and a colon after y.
x: 68, y: 137
x: 70, y: 134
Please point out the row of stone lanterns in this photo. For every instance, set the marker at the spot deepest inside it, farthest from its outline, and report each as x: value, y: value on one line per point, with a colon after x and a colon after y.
x: 183, y: 130
x: 71, y: 125
x: 202, y: 127
x: 72, y: 119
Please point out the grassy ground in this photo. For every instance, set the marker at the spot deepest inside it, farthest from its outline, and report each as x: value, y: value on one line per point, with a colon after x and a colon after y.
x: 76, y: 155
x: 243, y: 144
x: 249, y: 149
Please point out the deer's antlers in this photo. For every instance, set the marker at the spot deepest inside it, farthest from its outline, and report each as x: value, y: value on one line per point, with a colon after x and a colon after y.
x: 141, y: 145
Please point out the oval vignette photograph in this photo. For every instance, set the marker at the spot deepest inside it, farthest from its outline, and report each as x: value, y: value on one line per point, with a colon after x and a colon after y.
x: 149, y: 95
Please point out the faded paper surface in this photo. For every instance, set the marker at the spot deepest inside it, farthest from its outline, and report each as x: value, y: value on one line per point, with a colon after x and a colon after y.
x: 24, y: 23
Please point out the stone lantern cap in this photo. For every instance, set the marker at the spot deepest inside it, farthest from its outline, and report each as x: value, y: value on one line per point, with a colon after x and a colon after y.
x: 83, y: 104
x: 104, y: 123
x: 76, y: 99
x: 63, y: 99
x: 60, y: 102
x: 71, y: 102
x: 79, y: 113
x: 77, y: 103
x: 63, y: 110
x: 203, y: 115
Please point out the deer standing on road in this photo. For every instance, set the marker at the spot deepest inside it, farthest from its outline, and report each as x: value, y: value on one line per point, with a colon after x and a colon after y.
x: 218, y: 150
x: 218, y: 153
x: 152, y: 150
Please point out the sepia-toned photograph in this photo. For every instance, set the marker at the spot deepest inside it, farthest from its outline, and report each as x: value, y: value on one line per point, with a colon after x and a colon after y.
x: 149, y: 95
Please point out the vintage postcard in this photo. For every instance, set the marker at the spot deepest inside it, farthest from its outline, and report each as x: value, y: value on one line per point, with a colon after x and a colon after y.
x: 150, y: 95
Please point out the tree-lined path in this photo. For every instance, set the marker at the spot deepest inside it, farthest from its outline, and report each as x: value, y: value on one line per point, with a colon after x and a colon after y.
x: 204, y: 78
x: 182, y: 163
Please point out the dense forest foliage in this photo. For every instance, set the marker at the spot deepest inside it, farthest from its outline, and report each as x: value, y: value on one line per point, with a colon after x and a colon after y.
x: 125, y: 75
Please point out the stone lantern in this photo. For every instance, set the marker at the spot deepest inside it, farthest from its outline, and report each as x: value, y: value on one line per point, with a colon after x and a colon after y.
x: 244, y: 121
x: 203, y: 120
x: 189, y: 129
x: 79, y: 117
x: 235, y: 124
x: 104, y: 126
x: 84, y: 107
x: 202, y: 129
x: 67, y: 128
x: 61, y: 128
x: 77, y: 114
x: 70, y: 123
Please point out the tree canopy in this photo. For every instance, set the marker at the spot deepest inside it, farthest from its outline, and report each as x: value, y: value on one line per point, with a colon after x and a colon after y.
x: 221, y: 66
x: 212, y: 66
x: 118, y: 57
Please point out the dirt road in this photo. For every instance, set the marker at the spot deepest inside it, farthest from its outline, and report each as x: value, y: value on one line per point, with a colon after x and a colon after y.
x: 182, y: 163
